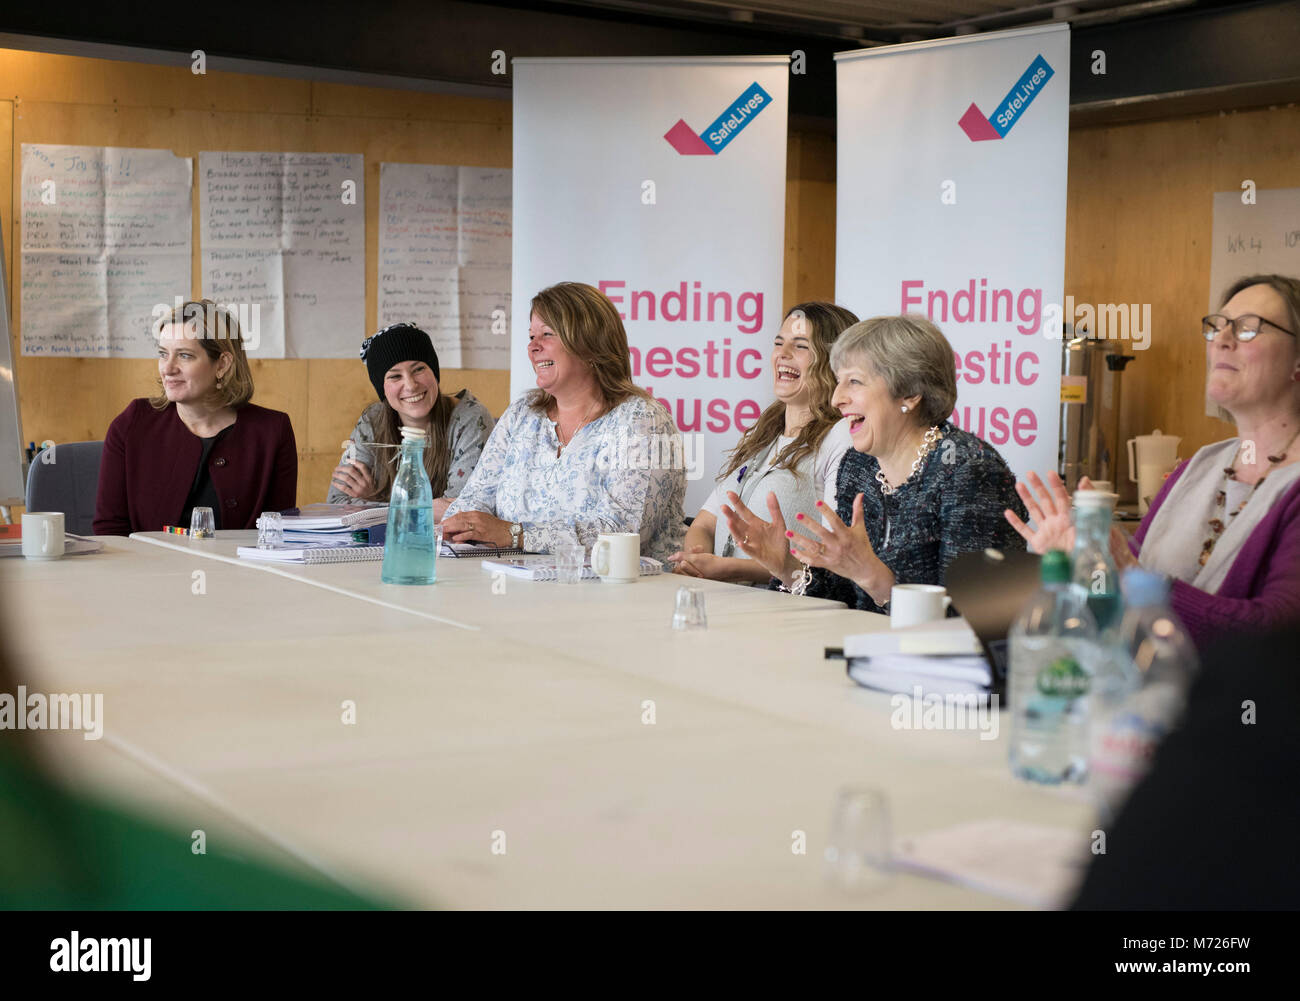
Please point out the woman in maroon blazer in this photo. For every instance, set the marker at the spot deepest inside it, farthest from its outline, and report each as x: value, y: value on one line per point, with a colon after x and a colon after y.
x: 199, y: 443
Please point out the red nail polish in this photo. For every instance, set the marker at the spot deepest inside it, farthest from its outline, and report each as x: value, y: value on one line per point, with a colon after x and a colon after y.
x: 799, y: 516
x: 789, y: 535
x: 793, y: 553
x: 820, y: 504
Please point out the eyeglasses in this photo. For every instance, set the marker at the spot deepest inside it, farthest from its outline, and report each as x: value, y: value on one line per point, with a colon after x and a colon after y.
x: 1244, y: 328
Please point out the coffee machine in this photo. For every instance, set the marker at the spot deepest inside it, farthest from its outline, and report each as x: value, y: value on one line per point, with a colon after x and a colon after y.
x: 1092, y: 373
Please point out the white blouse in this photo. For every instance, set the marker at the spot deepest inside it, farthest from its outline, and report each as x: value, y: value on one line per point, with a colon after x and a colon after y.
x: 815, y: 477
x: 623, y: 472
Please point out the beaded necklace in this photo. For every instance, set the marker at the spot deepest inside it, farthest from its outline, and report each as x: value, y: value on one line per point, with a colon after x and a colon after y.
x: 1220, y: 518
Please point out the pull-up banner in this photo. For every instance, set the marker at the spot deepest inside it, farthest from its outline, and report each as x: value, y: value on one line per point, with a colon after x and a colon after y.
x: 951, y: 180
x: 662, y: 183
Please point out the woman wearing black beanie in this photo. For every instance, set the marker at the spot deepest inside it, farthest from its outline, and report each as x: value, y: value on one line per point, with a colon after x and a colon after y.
x: 403, y: 368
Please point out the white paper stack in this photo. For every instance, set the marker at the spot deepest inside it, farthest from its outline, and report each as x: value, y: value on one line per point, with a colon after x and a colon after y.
x: 940, y: 657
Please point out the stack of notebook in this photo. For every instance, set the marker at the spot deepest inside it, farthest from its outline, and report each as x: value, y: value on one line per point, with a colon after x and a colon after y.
x: 345, y: 536
x: 942, y: 657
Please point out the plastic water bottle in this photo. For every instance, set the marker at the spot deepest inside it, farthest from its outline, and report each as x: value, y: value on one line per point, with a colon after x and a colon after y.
x: 1094, y: 567
x: 1143, y: 697
x: 1053, y: 652
x: 411, y: 543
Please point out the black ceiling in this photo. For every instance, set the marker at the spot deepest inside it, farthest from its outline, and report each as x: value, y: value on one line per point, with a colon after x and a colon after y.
x: 1208, y: 54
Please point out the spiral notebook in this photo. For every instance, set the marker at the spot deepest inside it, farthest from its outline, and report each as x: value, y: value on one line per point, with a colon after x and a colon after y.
x: 543, y: 568
x: 314, y: 554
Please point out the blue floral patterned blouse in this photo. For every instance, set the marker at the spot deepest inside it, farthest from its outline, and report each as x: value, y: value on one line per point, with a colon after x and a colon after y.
x: 623, y: 472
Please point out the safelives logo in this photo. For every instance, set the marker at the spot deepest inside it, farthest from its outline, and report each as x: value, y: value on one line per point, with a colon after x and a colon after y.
x: 1010, y: 108
x: 725, y: 127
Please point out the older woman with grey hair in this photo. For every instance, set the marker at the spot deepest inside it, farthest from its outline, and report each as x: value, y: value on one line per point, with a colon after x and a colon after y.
x: 915, y: 491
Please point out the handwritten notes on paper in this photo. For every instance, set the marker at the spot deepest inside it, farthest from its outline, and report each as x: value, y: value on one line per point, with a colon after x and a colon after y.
x: 105, y: 238
x: 286, y: 232
x: 444, y: 258
x: 1259, y: 236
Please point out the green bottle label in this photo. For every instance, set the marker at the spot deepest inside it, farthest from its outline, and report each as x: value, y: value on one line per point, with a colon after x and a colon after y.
x: 1063, y: 677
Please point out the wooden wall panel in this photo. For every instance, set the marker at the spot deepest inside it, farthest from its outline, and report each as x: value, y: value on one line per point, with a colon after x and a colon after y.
x: 63, y: 99
x: 1139, y: 227
x: 809, y: 218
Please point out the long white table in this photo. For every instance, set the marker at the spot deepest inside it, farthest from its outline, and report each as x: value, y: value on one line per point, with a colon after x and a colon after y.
x: 521, y: 712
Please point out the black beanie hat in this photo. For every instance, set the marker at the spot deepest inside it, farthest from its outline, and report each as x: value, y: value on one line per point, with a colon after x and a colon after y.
x: 393, y: 345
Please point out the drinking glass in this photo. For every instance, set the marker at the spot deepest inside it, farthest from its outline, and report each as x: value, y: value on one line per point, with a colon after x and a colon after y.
x: 203, y: 524
x: 859, y: 854
x: 688, y: 612
x: 270, y: 530
x: 570, y: 558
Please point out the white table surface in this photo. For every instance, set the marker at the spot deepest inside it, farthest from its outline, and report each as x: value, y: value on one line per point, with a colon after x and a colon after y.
x: 479, y: 712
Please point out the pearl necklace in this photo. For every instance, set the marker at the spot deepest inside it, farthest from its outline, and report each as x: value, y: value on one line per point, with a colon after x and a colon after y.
x: 927, y: 446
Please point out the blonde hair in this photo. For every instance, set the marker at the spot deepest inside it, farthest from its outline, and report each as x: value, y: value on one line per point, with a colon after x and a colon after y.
x: 824, y: 321
x: 591, y: 330
x: 217, y: 330
x: 913, y: 357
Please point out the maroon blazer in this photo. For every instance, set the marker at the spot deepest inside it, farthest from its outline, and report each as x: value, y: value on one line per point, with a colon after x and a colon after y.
x: 151, y: 458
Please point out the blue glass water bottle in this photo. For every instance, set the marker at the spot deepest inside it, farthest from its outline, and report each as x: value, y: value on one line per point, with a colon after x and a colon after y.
x: 411, y: 543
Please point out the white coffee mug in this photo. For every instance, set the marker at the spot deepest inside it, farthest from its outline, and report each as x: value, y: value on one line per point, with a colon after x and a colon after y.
x: 616, y: 557
x: 912, y: 604
x: 43, y: 535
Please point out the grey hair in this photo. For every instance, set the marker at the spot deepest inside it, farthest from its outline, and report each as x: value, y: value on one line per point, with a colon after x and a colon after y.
x: 911, y: 354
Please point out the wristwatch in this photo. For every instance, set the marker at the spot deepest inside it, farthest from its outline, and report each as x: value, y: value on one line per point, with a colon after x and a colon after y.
x: 517, y: 535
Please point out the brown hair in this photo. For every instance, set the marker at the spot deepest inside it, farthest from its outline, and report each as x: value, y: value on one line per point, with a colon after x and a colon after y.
x: 437, y: 456
x: 216, y: 328
x: 913, y: 357
x: 591, y: 330
x: 1287, y: 288
x: 826, y: 320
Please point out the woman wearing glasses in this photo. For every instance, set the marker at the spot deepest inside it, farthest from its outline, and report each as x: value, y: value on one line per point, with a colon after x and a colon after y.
x: 403, y: 368
x: 1226, y: 525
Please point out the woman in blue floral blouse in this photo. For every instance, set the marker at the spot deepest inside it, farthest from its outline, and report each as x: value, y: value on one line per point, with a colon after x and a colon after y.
x: 585, y: 452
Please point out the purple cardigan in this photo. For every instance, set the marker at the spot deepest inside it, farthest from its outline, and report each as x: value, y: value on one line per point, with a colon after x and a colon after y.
x: 1262, y: 588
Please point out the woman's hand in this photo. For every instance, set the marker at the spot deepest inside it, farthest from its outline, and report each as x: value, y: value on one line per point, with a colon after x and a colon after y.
x: 477, y: 526
x: 440, y: 505
x: 1049, y: 510
x: 1119, y: 550
x: 845, y: 550
x: 704, y: 565
x: 764, y: 542
x: 679, y: 560
x: 732, y: 569
x: 354, y: 479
